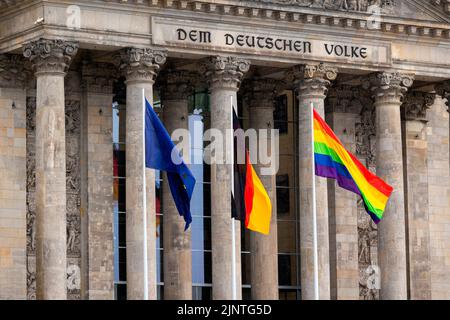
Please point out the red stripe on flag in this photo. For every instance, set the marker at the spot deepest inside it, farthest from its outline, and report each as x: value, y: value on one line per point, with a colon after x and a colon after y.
x: 249, y: 189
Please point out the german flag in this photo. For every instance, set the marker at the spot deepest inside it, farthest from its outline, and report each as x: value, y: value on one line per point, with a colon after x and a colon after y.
x: 250, y: 201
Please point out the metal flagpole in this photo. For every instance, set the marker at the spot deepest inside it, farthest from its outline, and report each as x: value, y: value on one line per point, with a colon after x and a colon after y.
x: 144, y: 205
x: 233, y: 229
x: 316, y: 261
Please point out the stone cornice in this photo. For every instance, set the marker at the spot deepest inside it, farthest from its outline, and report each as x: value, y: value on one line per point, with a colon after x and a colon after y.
x: 297, y: 13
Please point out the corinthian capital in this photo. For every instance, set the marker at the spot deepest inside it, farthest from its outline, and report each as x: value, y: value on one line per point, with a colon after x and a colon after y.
x: 225, y: 72
x: 443, y: 89
x: 177, y: 84
x: 261, y: 93
x: 345, y: 98
x: 141, y: 64
x: 98, y: 77
x: 312, y: 79
x: 12, y: 71
x: 416, y: 104
x: 388, y: 87
x: 50, y: 56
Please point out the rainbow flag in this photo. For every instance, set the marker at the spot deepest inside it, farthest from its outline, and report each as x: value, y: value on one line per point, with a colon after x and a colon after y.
x: 333, y: 161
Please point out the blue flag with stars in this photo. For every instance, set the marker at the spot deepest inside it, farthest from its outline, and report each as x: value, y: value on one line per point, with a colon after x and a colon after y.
x: 161, y: 154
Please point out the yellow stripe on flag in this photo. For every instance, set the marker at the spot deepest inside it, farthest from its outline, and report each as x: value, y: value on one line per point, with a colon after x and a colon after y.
x: 262, y: 207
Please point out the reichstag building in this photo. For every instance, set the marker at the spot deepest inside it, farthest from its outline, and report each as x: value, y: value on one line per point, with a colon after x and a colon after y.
x: 74, y: 187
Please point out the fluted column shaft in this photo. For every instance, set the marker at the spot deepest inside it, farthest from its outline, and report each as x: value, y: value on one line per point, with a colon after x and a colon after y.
x: 224, y: 75
x: 264, y: 248
x: 311, y: 84
x: 50, y: 59
x: 175, y: 90
x: 388, y: 90
x: 140, y: 67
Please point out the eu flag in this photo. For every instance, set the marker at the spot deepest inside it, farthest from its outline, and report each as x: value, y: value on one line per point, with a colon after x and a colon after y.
x: 161, y: 154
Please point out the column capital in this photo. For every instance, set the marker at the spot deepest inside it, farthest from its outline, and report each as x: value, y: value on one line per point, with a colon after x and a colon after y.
x: 98, y: 77
x: 140, y: 64
x: 345, y: 98
x: 312, y: 79
x: 50, y: 56
x: 388, y: 87
x: 177, y: 84
x: 12, y: 71
x: 416, y: 104
x: 261, y: 93
x: 443, y: 89
x: 224, y: 72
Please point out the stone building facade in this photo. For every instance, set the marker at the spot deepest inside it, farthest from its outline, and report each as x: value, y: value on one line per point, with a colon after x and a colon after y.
x: 73, y: 182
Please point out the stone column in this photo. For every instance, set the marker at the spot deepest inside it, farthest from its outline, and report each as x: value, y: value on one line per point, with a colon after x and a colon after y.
x: 176, y: 87
x: 439, y: 191
x: 13, y: 173
x: 343, y: 109
x: 140, y: 67
x: 414, y: 114
x: 97, y: 181
x: 264, y: 249
x: 388, y: 89
x: 50, y: 59
x: 224, y: 75
x: 311, y: 84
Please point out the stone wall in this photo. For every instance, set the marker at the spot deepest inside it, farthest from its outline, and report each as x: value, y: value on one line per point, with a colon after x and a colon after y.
x: 439, y: 198
x: 12, y: 194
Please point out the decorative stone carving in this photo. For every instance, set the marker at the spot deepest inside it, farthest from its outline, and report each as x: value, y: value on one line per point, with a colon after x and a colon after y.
x: 388, y: 87
x: 416, y: 104
x: 346, y: 99
x: 140, y: 64
x: 177, y: 84
x: 50, y: 56
x: 73, y: 277
x: 98, y: 77
x: 443, y: 89
x: 344, y: 5
x: 366, y: 135
x: 367, y: 255
x: 30, y: 198
x: 443, y: 4
x: 12, y: 71
x: 226, y: 72
x: 312, y: 79
x: 73, y: 198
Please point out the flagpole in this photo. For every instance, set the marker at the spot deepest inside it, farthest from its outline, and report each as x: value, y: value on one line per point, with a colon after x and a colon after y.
x: 144, y: 204
x: 315, y: 249
x: 233, y: 231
